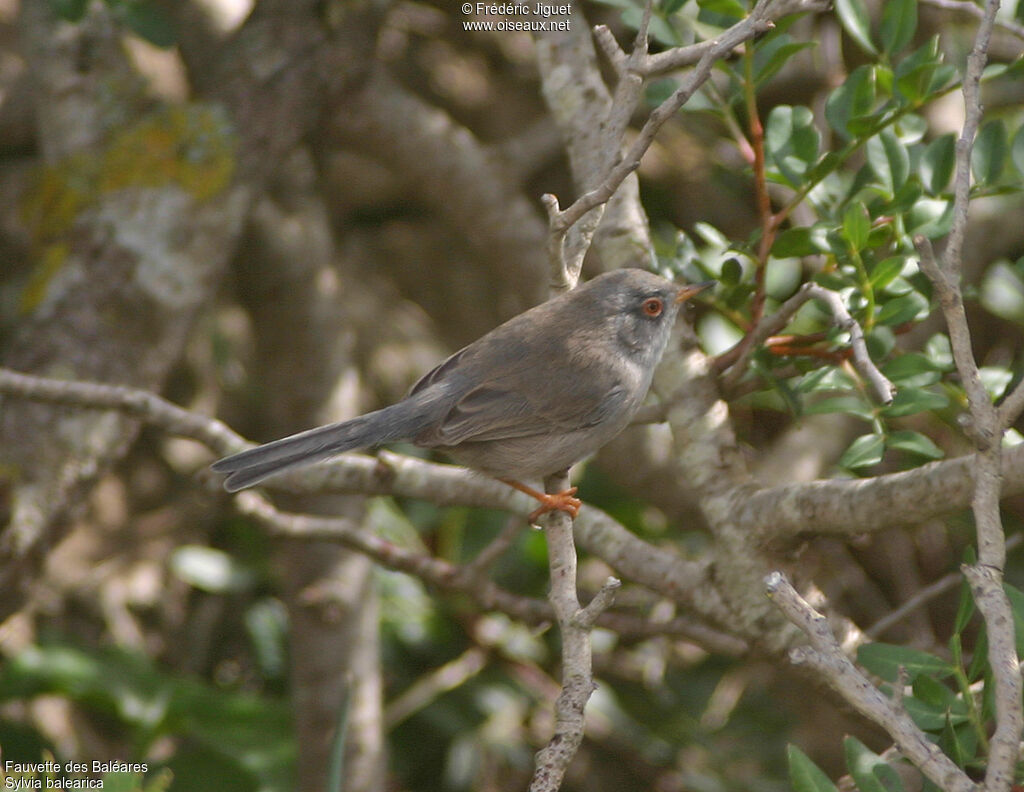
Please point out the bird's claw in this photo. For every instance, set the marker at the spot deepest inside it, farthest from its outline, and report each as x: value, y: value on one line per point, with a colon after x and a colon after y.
x: 564, y: 501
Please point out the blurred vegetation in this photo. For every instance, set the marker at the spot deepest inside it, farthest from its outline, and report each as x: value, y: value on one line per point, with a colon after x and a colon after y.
x: 159, y: 632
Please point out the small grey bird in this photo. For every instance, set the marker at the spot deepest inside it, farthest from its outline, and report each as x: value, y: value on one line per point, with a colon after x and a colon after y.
x: 542, y: 391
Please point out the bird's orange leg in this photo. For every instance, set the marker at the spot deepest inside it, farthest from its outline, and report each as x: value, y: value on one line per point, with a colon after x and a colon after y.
x: 558, y: 501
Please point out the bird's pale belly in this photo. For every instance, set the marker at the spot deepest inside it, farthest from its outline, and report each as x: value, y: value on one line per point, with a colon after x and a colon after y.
x: 533, y: 457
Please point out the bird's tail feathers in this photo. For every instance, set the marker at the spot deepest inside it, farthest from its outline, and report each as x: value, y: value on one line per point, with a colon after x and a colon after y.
x: 246, y: 468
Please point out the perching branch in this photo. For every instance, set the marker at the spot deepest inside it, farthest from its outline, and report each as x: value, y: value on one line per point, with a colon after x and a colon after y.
x: 574, y: 624
x: 657, y: 568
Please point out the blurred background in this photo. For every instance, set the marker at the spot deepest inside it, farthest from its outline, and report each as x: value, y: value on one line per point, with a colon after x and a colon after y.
x: 284, y: 215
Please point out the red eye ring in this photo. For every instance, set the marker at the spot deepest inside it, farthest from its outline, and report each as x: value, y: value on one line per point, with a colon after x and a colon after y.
x: 652, y: 307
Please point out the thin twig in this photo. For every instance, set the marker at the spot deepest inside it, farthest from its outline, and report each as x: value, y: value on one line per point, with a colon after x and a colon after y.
x: 967, y: 7
x: 561, y: 220
x: 484, y: 560
x: 1012, y: 406
x: 881, y: 387
x: 826, y: 656
x: 432, y: 685
x: 985, y: 429
x: 131, y: 401
x: 680, y: 57
x: 953, y: 258
x: 925, y: 595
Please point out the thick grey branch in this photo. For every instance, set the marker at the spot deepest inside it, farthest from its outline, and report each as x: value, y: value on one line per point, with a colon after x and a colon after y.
x: 854, y: 506
x: 660, y: 569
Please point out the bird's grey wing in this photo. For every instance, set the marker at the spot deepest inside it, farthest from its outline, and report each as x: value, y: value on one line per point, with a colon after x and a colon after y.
x: 437, y: 373
x: 493, y: 413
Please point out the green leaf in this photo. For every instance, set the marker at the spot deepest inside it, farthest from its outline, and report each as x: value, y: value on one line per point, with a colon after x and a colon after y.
x: 805, y: 775
x: 1002, y: 291
x: 921, y: 72
x: 792, y: 141
x: 852, y: 100
x: 826, y: 378
x: 882, y: 274
x: 209, y: 569
x: 964, y: 609
x: 147, y: 20
x: 725, y: 8
x: 266, y: 622
x: 851, y: 405
x: 770, y: 58
x: 899, y: 21
x: 931, y: 217
x: 933, y: 693
x: 671, y: 6
x: 931, y: 718
x: 888, y: 158
x: 1017, y: 151
x: 884, y: 660
x: 732, y: 272
x: 659, y: 29
x: 910, y: 401
x: 853, y: 15
x: 880, y: 341
x: 937, y: 163
x: 782, y: 277
x: 869, y: 770
x: 989, y: 154
x: 914, y: 443
x: 800, y: 242
x: 902, y: 309
x: 979, y: 663
x: 911, y: 370
x: 940, y: 352
x: 70, y: 10
x: 959, y: 743
x: 995, y: 379
x: 863, y: 452
x: 1016, y: 597
x: 856, y: 225
x: 910, y: 128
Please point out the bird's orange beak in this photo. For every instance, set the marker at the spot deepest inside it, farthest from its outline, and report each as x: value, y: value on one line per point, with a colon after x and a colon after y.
x: 692, y: 290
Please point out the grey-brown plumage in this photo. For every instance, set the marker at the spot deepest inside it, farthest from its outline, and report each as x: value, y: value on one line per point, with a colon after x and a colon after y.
x: 542, y: 391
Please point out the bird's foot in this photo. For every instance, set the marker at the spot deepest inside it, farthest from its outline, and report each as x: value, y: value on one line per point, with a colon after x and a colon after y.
x: 564, y: 501
x: 557, y: 501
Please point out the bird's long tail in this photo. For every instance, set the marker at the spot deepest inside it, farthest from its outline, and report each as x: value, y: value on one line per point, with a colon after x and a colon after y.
x: 397, y: 422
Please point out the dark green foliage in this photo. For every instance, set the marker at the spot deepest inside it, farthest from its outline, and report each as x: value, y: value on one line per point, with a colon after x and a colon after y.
x: 146, y: 19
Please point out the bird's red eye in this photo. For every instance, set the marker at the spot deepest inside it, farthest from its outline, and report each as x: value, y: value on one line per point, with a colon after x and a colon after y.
x: 653, y: 306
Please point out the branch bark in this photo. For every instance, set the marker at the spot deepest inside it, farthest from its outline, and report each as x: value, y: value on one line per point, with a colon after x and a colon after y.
x: 574, y: 625
x: 828, y: 659
x: 659, y: 568
x: 985, y: 428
